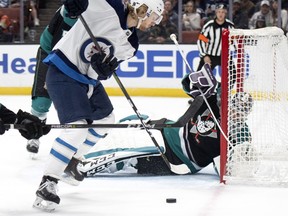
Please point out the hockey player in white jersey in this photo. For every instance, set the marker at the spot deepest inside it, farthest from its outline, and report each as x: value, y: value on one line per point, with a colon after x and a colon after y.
x: 62, y: 21
x: 73, y: 81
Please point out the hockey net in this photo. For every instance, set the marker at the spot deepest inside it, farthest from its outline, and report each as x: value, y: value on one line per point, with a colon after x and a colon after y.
x: 255, y: 150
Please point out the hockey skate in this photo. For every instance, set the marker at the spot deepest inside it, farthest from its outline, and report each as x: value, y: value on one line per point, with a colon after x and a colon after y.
x: 71, y: 174
x: 33, y: 146
x: 46, y: 196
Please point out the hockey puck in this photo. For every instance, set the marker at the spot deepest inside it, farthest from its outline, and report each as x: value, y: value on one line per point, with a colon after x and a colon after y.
x: 170, y: 200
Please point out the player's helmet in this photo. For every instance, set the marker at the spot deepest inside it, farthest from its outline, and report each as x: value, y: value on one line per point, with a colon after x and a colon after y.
x: 242, y: 102
x: 156, y: 6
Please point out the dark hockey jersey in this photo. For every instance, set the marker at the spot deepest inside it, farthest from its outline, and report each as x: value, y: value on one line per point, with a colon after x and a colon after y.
x: 198, y: 142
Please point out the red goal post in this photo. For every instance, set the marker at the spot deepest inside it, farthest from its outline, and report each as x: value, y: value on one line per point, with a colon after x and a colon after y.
x: 255, y: 150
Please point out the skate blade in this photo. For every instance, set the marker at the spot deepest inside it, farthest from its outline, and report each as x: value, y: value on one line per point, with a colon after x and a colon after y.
x: 69, y: 180
x: 44, y: 205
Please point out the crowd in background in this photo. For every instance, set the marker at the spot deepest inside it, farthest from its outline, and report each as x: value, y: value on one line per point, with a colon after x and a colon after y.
x: 246, y: 14
x: 10, y: 24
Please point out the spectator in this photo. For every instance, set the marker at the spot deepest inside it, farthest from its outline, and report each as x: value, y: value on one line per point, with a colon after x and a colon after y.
x: 6, y: 29
x: 200, y: 4
x: 161, y: 33
x: 240, y: 17
x: 264, y: 11
x: 29, y: 9
x: 249, y: 7
x: 191, y: 19
x: 143, y: 35
x: 172, y: 14
x: 260, y: 22
x: 34, y: 13
x: 284, y: 16
x: 175, y: 5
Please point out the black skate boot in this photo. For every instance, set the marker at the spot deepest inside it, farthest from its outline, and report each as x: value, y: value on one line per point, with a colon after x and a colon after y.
x: 72, y: 175
x: 46, y: 196
x: 33, y: 146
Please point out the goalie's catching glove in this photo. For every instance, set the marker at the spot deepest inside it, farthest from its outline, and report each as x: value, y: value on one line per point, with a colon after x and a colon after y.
x: 75, y: 7
x: 34, y: 128
x: 103, y: 66
x: 200, y: 80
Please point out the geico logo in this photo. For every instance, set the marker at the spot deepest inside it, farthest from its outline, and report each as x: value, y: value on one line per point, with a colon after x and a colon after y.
x: 158, y: 63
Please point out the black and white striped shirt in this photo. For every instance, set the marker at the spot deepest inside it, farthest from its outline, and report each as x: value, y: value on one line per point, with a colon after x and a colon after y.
x: 210, y: 38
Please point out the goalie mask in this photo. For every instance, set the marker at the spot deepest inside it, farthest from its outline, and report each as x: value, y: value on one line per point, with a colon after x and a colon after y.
x: 242, y: 102
x: 154, y: 11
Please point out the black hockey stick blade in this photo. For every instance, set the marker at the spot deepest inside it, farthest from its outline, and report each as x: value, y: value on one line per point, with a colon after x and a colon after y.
x: 190, y: 112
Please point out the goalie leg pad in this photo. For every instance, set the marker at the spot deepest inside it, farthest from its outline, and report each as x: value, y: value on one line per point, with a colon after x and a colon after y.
x: 112, y: 160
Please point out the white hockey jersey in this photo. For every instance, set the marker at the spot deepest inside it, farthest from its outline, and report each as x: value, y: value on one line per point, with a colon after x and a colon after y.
x: 107, y: 21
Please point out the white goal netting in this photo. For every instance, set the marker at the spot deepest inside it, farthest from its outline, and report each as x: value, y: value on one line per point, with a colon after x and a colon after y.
x: 257, y: 150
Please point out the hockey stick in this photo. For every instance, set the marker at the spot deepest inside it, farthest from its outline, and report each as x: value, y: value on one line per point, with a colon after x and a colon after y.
x: 174, y: 39
x: 178, y: 169
x: 190, y: 112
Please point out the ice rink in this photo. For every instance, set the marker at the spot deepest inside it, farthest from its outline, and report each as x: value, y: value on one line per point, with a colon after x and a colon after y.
x: 126, y: 194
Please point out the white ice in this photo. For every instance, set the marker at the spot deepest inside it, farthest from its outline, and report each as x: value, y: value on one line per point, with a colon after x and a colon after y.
x: 124, y: 195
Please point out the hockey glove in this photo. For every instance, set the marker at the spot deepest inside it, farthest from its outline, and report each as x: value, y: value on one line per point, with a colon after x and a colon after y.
x: 2, y: 127
x: 33, y: 127
x: 75, y: 7
x: 103, y: 66
x: 202, y: 80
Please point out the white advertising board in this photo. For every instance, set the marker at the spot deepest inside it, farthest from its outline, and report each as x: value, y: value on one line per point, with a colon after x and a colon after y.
x: 154, y: 66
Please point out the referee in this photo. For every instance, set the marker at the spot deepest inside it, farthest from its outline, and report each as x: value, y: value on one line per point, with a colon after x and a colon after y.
x: 210, y: 38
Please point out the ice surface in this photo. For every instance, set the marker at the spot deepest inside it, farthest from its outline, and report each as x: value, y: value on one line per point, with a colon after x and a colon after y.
x: 126, y: 194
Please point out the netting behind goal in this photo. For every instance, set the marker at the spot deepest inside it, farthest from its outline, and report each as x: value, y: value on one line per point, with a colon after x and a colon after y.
x: 255, y: 62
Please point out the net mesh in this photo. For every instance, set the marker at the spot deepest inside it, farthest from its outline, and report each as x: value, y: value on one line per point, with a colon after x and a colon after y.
x: 257, y: 149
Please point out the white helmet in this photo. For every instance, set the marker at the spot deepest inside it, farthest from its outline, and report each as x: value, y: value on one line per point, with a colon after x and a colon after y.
x: 156, y: 6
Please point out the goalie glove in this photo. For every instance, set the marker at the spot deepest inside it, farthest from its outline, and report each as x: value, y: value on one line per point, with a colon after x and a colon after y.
x: 104, y: 66
x: 34, y: 128
x: 198, y: 81
x: 75, y: 7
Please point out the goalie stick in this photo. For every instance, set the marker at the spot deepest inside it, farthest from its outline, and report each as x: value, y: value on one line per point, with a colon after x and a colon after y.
x: 190, y: 112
